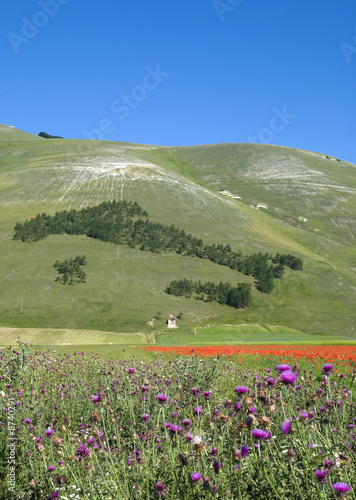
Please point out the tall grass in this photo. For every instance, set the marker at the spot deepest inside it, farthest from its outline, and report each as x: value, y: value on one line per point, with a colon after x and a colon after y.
x: 88, y: 427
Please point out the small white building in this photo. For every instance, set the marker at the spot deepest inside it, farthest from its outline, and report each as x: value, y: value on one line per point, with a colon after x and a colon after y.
x: 171, y: 323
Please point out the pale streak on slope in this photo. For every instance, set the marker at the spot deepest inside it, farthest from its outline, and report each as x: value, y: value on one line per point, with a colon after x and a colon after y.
x: 119, y: 173
x: 89, y: 181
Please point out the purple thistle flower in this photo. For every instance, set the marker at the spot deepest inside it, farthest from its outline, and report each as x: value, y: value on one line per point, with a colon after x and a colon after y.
x: 51, y: 468
x: 176, y: 429
x: 198, y: 410
x: 320, y: 475
x: 162, y: 399
x: 283, y: 367
x: 49, y: 432
x: 189, y: 437
x: 286, y: 427
x: 270, y: 381
x: 196, y: 477
x: 303, y: 415
x: 341, y: 487
x: 328, y: 368
x: 207, y: 395
x: 244, y: 450
x: 214, y: 451
x: 195, y: 391
x: 240, y: 389
x: 217, y: 466
x: 328, y: 463
x: 187, y: 424
x: 311, y: 414
x: 288, y: 377
x: 145, y: 417
x: 160, y: 489
x: 100, y: 435
x: 28, y: 421
x: 83, y: 451
x: 132, y: 370
x: 260, y: 434
x: 238, y: 406
x: 101, y: 396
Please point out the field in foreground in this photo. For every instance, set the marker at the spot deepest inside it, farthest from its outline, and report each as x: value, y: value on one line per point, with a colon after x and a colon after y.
x: 214, y: 335
x: 259, y: 422
x: 58, y: 336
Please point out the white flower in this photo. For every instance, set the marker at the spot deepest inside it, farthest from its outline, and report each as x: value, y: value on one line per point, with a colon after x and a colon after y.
x: 197, y: 440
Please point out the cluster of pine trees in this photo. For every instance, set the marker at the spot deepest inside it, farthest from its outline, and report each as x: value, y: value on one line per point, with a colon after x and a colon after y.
x: 49, y: 136
x: 123, y: 222
x: 109, y: 221
x: 224, y: 293
x: 70, y: 270
x: 288, y: 260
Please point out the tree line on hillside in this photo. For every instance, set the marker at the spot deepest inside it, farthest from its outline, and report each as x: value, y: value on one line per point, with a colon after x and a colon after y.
x: 48, y: 136
x: 224, y: 293
x: 122, y: 222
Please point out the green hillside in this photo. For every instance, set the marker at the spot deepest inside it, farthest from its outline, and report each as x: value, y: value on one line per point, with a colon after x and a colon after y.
x: 188, y: 187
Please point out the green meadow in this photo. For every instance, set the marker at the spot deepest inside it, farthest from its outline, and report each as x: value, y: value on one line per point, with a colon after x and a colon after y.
x: 124, y: 288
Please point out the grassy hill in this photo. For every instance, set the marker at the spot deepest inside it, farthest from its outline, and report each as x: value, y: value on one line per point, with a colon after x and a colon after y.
x: 181, y: 186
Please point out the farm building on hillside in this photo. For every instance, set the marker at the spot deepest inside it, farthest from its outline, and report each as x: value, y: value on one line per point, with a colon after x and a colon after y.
x: 171, y: 322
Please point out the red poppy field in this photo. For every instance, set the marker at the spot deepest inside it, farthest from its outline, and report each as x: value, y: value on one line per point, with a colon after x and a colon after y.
x: 310, y: 353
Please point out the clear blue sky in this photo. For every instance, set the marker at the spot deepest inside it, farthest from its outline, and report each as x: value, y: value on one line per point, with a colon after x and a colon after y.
x: 183, y: 72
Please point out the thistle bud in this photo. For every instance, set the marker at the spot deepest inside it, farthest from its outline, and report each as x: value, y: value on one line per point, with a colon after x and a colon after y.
x: 265, y: 421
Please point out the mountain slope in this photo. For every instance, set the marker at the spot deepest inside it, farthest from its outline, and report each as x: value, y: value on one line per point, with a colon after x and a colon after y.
x: 125, y: 287
x: 293, y: 184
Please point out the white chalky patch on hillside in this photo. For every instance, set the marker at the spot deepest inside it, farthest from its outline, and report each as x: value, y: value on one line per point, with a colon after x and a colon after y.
x: 279, y: 167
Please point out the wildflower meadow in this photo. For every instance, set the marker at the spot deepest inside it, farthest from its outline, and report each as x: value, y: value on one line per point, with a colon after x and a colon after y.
x: 252, y: 422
